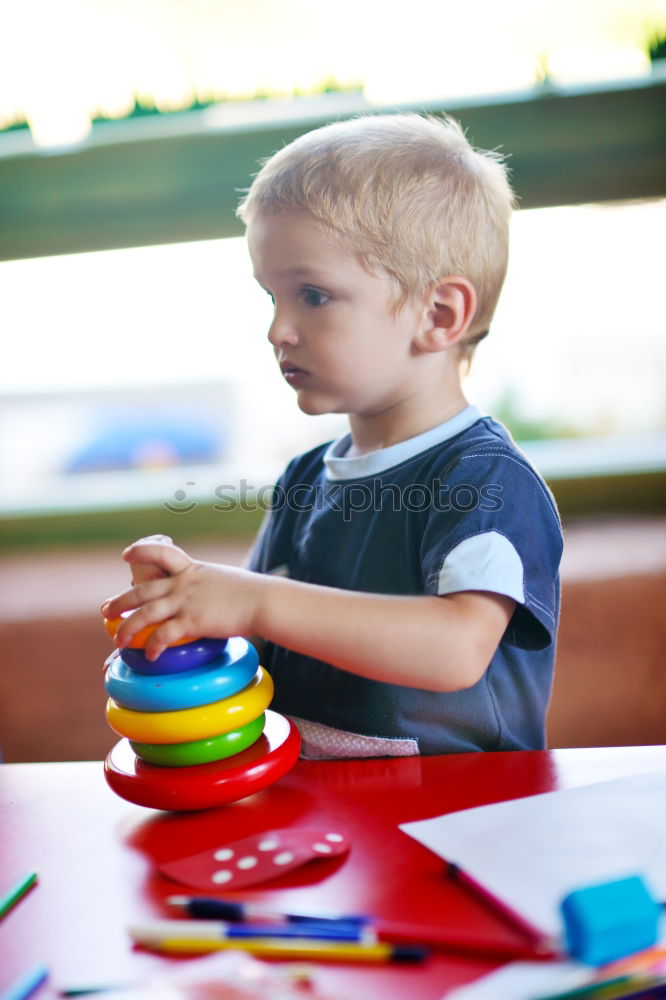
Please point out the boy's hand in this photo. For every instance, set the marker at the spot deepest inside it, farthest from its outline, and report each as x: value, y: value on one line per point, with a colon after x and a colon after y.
x: 191, y: 598
x: 141, y: 572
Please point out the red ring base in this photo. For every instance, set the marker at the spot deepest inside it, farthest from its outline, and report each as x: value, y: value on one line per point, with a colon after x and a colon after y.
x: 205, y: 786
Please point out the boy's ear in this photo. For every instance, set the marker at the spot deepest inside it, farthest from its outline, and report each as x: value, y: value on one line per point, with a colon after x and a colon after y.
x: 450, y: 308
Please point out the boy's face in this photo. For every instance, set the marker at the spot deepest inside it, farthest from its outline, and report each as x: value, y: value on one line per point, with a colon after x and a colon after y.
x: 336, y: 335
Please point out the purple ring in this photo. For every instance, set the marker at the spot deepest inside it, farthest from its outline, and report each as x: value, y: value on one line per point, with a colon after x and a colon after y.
x: 188, y: 656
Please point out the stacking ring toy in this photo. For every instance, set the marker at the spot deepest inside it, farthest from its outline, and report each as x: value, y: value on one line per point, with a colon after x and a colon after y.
x: 193, y: 723
x: 205, y: 786
x: 222, y: 677
x: 187, y: 656
x: 201, y: 751
x: 139, y: 640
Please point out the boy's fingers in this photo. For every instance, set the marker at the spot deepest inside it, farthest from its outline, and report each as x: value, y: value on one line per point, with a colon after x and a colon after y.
x: 168, y: 558
x: 142, y: 572
x: 148, y: 539
x: 166, y: 635
x: 152, y: 540
x: 136, y: 597
x: 154, y: 613
x: 113, y: 606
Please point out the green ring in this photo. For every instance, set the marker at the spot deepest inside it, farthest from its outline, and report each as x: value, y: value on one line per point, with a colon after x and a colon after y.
x: 201, y: 751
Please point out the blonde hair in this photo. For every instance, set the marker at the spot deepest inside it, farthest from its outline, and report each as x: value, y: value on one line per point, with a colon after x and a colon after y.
x: 408, y: 193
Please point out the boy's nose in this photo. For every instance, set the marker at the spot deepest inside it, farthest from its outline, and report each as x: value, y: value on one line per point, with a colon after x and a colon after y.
x: 282, y: 330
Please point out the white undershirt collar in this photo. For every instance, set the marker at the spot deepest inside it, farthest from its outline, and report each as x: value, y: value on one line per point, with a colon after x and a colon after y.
x: 339, y: 467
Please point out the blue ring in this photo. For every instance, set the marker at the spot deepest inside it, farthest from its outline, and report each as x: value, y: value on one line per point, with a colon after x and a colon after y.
x: 225, y: 676
x: 189, y: 656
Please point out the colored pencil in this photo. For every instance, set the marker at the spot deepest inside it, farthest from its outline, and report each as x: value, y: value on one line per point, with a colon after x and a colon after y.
x: 622, y: 988
x: 294, y: 948
x: 213, y: 929
x: 26, y: 984
x: 226, y: 909
x: 390, y: 931
x: 592, y: 990
x: 17, y: 892
x: 542, y: 943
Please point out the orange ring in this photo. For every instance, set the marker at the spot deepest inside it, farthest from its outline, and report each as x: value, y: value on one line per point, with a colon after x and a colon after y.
x: 139, y: 640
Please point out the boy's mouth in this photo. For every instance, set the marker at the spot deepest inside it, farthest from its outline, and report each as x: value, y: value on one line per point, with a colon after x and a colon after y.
x: 292, y: 373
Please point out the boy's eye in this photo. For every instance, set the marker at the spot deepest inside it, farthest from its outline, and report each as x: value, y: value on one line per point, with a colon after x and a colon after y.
x: 314, y: 297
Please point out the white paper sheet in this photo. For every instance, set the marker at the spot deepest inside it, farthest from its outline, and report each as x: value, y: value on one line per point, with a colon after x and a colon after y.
x: 531, y: 852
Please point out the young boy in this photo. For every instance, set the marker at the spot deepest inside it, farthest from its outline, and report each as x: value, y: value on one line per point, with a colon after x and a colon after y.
x: 405, y: 580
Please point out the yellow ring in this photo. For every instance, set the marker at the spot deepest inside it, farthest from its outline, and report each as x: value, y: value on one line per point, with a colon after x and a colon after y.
x: 139, y: 640
x: 194, y: 723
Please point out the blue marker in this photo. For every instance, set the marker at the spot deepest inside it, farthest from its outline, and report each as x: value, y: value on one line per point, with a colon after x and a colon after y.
x: 27, y: 984
x: 199, y: 930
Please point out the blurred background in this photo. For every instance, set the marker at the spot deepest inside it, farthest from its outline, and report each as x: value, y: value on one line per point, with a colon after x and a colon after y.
x: 137, y: 389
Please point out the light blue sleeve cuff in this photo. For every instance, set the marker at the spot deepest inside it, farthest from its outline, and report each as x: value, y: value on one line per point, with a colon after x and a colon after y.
x: 487, y: 561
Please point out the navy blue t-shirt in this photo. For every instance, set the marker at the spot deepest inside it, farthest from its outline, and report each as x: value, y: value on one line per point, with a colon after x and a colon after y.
x: 456, y: 508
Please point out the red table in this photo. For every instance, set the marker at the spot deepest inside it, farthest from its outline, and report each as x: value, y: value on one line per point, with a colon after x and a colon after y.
x: 95, y: 856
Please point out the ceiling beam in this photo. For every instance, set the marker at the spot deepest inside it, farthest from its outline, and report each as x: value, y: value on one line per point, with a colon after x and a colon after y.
x: 174, y: 178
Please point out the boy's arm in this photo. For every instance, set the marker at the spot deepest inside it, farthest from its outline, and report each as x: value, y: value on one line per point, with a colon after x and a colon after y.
x: 258, y: 641
x: 435, y: 643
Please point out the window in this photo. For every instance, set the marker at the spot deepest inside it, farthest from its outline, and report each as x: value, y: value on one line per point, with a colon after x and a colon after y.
x: 137, y: 342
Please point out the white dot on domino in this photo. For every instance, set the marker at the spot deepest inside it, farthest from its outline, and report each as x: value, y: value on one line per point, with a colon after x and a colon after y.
x: 222, y: 876
x: 224, y: 854
x: 335, y: 838
x: 269, y: 844
x: 283, y: 858
x: 322, y: 848
x: 246, y: 863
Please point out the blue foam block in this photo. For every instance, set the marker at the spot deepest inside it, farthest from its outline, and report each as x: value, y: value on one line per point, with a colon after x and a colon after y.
x: 608, y: 921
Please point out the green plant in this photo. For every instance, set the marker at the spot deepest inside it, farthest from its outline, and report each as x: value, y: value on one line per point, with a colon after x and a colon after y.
x: 508, y: 408
x: 657, y: 46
